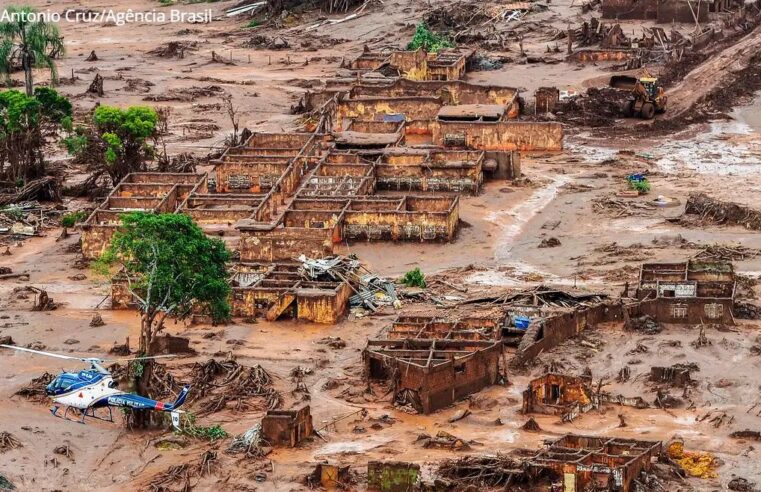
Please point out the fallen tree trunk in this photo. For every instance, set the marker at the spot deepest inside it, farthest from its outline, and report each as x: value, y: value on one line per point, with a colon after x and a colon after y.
x: 46, y: 188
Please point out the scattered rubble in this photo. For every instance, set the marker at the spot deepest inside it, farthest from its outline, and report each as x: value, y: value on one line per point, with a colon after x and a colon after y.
x: 442, y: 440
x: 617, y: 207
x: 174, y: 49
x: 740, y: 484
x: 551, y: 242
x: 249, y: 443
x: 189, y: 94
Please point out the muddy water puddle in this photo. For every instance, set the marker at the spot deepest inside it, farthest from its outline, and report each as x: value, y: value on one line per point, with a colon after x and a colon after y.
x: 723, y: 148
x: 357, y: 446
x: 750, y: 115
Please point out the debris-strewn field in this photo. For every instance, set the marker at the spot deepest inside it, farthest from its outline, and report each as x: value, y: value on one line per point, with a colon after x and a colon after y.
x: 387, y: 245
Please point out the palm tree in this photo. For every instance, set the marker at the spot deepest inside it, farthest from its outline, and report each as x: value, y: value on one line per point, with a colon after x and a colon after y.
x: 34, y: 44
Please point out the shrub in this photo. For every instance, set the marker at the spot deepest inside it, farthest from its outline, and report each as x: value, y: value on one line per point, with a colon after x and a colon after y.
x: 428, y: 40
x: 212, y: 433
x: 639, y: 184
x: 71, y: 219
x: 414, y: 278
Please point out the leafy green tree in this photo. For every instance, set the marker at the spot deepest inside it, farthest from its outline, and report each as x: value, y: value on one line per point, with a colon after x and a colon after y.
x: 29, y: 41
x: 25, y: 125
x: 173, y: 269
x: 120, y: 138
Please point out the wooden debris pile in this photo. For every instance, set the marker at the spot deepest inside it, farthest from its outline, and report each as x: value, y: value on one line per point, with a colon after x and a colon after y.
x: 187, y: 94
x: 724, y: 252
x: 643, y: 324
x: 47, y: 188
x: 616, y: 207
x: 746, y: 310
x: 710, y: 210
x: 482, y: 471
x: 215, y: 385
x: 543, y: 297
x: 42, y: 301
x: 221, y: 383
x: 96, y: 86
x: 35, y: 390
x: 186, y: 476
x: 8, y: 441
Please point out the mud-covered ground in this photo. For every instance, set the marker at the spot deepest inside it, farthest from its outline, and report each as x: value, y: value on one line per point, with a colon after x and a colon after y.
x: 497, y: 248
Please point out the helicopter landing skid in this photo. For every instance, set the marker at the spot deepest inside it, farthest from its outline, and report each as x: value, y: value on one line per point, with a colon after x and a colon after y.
x: 54, y: 411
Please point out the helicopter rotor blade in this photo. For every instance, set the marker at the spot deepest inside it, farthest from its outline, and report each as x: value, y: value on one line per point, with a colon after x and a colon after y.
x: 83, y: 359
x: 139, y: 358
x: 39, y: 352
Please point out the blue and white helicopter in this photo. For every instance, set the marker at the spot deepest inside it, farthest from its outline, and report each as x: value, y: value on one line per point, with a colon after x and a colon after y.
x: 95, y: 388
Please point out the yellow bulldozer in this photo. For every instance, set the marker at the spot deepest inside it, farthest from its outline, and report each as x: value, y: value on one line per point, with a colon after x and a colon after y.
x: 647, y: 97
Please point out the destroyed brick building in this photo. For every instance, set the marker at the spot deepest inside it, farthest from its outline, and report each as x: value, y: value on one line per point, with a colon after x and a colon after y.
x: 145, y: 192
x: 386, y: 160
x: 432, y: 363
x: 569, y: 396
x: 676, y: 375
x: 600, y: 463
x: 691, y: 292
x: 460, y: 328
x: 287, y: 427
x: 556, y: 316
x: 272, y: 289
x: 556, y: 394
x: 451, y: 114
x: 446, y: 64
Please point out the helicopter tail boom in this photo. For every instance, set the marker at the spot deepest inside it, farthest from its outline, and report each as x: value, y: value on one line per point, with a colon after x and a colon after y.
x: 177, y: 403
x: 142, y: 403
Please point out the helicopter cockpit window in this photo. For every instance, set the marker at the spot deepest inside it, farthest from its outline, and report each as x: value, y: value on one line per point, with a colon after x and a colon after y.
x: 55, y: 385
x: 61, y: 383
